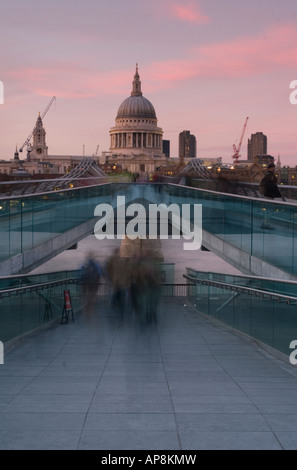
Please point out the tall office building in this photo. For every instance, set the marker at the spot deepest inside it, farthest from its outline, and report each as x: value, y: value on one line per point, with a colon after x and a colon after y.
x: 187, y: 145
x: 257, y: 145
x: 166, y: 148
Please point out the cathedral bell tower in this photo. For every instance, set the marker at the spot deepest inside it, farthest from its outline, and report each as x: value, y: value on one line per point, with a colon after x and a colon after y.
x: 39, y: 148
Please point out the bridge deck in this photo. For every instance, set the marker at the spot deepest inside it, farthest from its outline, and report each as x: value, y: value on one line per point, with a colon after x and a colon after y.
x: 184, y: 383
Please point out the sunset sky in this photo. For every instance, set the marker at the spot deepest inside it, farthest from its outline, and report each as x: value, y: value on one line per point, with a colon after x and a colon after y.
x: 204, y: 64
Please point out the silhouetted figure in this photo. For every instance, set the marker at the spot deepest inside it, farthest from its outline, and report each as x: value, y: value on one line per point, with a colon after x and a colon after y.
x: 118, y: 273
x: 269, y: 189
x: 145, y: 288
x: 90, y: 275
x: 268, y: 184
x: 137, y: 285
x: 152, y: 290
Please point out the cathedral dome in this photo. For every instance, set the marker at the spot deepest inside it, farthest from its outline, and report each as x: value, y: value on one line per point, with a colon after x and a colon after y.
x: 136, y: 131
x: 136, y: 106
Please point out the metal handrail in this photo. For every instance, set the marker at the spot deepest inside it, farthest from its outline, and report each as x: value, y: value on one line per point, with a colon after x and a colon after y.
x: 238, y: 196
x: 249, y: 276
x: 35, y: 287
x: 46, y: 193
x: 250, y: 198
x: 14, y: 291
x: 242, y: 289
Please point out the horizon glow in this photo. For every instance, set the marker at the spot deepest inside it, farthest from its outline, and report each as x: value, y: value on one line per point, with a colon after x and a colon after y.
x: 204, y: 66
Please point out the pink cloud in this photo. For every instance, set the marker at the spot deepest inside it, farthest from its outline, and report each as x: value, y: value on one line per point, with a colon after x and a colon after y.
x: 71, y: 81
x: 242, y: 57
x: 246, y: 56
x: 270, y: 52
x: 52, y: 80
x: 189, y: 12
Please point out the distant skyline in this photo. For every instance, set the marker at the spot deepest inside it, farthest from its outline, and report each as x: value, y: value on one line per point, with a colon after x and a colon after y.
x: 205, y: 66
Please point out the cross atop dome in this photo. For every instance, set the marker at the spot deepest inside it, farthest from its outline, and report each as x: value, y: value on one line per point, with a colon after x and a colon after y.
x: 136, y: 90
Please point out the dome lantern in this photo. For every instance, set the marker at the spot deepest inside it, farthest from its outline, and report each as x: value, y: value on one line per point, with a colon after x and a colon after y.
x: 136, y: 105
x: 136, y: 90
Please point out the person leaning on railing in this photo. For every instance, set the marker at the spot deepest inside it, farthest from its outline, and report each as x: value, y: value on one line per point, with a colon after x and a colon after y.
x: 268, y: 184
x: 269, y: 189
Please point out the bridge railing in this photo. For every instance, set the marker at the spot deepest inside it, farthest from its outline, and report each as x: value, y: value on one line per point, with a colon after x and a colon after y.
x: 262, y: 229
x: 236, y: 187
x: 263, y: 309
x: 30, y: 220
x: 28, y: 302
x: 266, y: 316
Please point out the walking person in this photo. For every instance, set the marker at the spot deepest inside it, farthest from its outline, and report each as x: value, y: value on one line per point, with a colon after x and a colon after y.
x: 118, y: 272
x: 90, y: 274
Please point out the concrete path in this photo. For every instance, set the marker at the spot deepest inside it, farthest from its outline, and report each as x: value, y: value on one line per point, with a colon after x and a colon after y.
x: 185, y: 384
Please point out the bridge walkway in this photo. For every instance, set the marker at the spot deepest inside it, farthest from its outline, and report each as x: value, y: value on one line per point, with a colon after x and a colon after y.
x: 185, y: 383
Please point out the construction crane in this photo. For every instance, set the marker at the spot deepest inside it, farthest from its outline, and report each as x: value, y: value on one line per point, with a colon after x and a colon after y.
x: 27, y: 141
x: 96, y: 153
x: 236, y: 150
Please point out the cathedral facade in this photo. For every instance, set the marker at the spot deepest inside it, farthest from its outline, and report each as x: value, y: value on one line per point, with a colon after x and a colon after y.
x: 136, y: 140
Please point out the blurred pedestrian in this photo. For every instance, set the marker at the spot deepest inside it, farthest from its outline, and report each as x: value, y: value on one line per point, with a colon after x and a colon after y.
x: 90, y: 275
x: 145, y: 288
x: 152, y: 290
x: 119, y: 275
